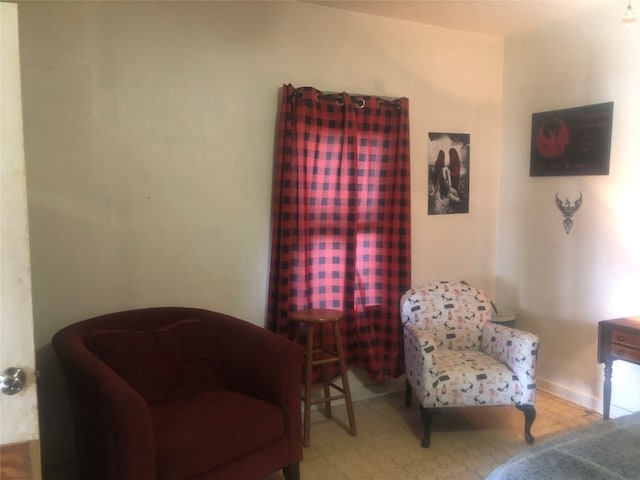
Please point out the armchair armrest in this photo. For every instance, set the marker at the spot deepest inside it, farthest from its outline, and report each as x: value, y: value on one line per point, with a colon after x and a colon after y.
x: 260, y: 363
x: 518, y: 350
x: 420, y: 368
x: 265, y: 365
x: 97, y: 392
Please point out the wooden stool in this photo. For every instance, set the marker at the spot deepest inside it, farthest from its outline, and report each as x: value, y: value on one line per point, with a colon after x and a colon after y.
x: 322, y: 356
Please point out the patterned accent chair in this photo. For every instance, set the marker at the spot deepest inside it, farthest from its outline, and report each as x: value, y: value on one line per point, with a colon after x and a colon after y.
x: 456, y: 357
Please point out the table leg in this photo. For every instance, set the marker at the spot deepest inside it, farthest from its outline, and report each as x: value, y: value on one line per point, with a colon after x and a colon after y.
x: 607, y: 388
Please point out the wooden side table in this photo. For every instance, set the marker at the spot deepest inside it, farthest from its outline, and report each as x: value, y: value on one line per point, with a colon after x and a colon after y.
x: 618, y: 339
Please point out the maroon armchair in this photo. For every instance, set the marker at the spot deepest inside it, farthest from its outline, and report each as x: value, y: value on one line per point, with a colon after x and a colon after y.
x: 175, y: 393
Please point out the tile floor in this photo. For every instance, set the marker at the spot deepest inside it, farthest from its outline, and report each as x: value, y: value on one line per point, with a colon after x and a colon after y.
x: 466, y: 443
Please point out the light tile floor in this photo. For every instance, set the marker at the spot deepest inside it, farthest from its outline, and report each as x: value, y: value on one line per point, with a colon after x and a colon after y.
x: 466, y: 443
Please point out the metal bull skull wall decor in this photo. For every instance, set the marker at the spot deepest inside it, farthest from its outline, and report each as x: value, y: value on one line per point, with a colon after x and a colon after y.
x: 568, y: 210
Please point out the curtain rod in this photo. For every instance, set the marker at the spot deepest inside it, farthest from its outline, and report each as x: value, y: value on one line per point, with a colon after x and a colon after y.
x: 381, y: 97
x: 330, y: 93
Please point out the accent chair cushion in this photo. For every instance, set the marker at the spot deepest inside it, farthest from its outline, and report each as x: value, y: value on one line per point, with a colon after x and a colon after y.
x: 468, y: 377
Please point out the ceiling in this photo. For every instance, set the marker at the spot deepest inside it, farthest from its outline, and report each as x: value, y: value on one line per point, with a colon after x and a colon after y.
x: 502, y: 18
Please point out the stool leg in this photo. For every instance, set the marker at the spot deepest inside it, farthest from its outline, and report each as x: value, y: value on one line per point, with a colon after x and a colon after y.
x: 325, y: 372
x: 345, y: 381
x: 307, y: 386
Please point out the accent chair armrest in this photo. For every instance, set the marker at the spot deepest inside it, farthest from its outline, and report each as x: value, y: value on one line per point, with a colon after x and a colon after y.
x: 419, y: 347
x: 518, y: 350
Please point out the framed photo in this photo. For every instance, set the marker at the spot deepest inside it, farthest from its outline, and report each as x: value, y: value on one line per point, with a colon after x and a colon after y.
x: 448, y: 157
x: 573, y: 141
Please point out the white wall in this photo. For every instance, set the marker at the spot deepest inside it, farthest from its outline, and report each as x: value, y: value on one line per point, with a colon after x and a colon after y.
x: 149, y: 132
x: 564, y: 283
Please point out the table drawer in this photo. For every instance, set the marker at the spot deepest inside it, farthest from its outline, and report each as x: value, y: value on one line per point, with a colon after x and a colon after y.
x: 625, y: 338
x: 625, y: 353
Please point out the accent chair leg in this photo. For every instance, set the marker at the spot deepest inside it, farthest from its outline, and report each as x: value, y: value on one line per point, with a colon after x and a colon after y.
x: 529, y: 416
x: 426, y: 415
x: 408, y: 393
x: 291, y: 472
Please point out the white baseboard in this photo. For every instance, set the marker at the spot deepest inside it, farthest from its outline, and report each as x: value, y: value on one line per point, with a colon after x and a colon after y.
x: 362, y: 388
x: 579, y: 398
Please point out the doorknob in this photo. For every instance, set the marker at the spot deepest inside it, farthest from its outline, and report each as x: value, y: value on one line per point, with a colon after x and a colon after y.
x: 12, y: 380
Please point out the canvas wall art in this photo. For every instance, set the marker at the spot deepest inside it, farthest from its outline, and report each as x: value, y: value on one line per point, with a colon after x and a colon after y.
x: 449, y: 162
x: 573, y: 141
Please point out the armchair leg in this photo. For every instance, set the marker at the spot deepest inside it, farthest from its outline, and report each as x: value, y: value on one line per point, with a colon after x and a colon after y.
x: 408, y: 393
x: 426, y: 414
x: 292, y: 472
x: 529, y: 416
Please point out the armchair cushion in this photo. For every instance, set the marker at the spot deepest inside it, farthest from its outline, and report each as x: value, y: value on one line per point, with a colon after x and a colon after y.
x: 138, y: 359
x: 162, y: 364
x: 211, y: 428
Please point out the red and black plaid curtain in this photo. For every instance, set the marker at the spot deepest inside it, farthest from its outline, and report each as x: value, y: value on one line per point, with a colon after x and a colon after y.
x: 341, y: 219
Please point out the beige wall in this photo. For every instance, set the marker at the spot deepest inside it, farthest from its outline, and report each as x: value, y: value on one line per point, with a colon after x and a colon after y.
x: 565, y: 283
x: 149, y: 132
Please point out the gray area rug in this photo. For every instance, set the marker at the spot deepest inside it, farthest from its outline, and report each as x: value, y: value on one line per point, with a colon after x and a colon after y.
x: 608, y: 450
